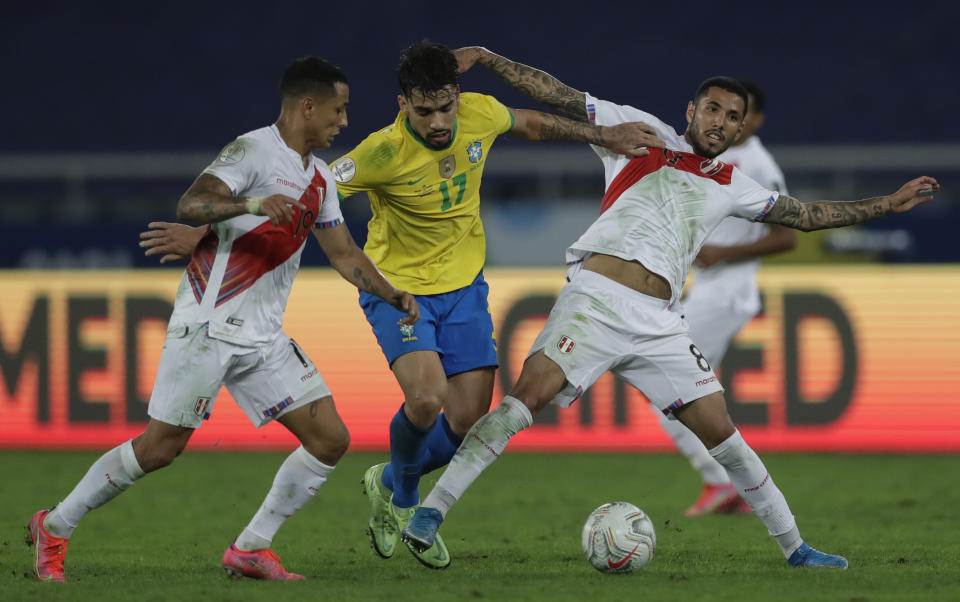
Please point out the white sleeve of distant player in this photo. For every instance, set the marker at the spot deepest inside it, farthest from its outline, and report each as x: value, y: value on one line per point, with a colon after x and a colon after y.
x: 237, y: 165
x: 751, y: 201
x: 330, y: 213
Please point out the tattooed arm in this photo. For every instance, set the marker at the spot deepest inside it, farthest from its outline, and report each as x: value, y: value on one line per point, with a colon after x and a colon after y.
x: 836, y: 214
x: 209, y: 200
x: 357, y: 269
x: 536, y: 84
x: 624, y: 138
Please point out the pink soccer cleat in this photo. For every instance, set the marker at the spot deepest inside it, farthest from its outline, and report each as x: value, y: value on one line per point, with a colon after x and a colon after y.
x: 714, y: 499
x: 256, y: 564
x: 50, y: 550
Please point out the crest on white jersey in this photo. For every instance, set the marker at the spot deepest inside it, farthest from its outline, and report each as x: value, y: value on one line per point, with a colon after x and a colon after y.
x: 344, y: 169
x: 232, y: 153
x: 710, y: 167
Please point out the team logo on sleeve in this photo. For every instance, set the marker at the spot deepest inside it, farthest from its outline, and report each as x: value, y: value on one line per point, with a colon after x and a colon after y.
x: 232, y: 153
x: 475, y: 151
x: 566, y: 344
x: 344, y: 169
x: 447, y: 166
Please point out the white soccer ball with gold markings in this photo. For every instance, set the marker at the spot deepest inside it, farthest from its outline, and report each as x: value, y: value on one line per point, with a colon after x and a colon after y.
x: 618, y: 537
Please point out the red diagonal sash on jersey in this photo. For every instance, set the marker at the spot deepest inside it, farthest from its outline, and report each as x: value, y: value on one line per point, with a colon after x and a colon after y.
x: 639, y: 167
x: 267, y: 246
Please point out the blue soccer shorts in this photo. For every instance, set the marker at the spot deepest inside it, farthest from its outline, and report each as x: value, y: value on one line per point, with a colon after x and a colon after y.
x: 457, y: 325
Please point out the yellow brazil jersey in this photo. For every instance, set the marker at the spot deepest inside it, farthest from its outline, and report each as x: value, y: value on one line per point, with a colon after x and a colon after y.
x: 425, y: 234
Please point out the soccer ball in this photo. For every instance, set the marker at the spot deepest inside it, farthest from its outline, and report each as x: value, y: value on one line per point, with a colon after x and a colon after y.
x: 618, y: 538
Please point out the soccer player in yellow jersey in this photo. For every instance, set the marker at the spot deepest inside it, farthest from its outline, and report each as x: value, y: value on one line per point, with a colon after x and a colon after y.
x: 422, y: 174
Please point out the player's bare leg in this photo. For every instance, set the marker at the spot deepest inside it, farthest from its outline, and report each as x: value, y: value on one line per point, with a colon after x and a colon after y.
x: 708, y: 418
x: 539, y: 382
x: 108, y: 477
x: 324, y: 439
x: 468, y: 398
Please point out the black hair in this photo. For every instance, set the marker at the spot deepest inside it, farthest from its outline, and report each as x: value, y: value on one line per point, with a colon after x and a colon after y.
x: 428, y: 67
x: 725, y: 83
x: 755, y: 92
x: 310, y: 75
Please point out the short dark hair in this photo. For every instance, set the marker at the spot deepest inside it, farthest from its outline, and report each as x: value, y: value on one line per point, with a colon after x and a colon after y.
x: 756, y: 92
x: 724, y: 83
x: 309, y: 75
x: 428, y: 67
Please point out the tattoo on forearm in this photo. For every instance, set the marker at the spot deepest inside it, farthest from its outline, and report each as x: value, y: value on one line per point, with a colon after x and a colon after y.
x: 364, y: 282
x: 540, y: 86
x: 554, y: 127
x: 825, y: 214
x: 208, y: 208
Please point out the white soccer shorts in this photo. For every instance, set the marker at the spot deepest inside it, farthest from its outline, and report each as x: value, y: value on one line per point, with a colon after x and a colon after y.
x: 598, y: 325
x: 266, y: 381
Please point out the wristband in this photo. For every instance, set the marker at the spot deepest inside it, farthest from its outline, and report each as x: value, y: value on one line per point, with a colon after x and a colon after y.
x: 253, y: 204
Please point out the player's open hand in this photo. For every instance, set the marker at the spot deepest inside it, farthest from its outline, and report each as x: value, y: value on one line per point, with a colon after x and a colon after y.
x: 170, y: 240
x: 467, y: 57
x: 632, y: 139
x: 277, y: 207
x: 913, y: 193
x: 404, y: 301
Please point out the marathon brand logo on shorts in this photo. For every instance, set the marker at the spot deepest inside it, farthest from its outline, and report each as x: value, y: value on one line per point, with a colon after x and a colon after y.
x: 706, y: 381
x: 475, y: 151
x: 200, y: 408
x: 234, y: 321
x: 406, y: 333
x: 309, y: 375
x: 566, y: 344
x: 271, y: 412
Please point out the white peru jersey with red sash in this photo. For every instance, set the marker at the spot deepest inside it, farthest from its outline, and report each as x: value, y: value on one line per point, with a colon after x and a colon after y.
x: 659, y: 209
x: 242, y: 270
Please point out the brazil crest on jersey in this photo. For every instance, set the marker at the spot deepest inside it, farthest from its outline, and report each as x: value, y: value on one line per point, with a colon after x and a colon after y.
x: 425, y: 234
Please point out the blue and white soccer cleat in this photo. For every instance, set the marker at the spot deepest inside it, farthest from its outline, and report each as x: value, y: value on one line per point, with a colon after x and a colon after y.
x: 812, y: 557
x: 422, y: 529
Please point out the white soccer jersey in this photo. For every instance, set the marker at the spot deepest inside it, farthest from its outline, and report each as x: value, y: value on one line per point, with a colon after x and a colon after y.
x: 739, y: 277
x: 241, y: 271
x: 659, y: 209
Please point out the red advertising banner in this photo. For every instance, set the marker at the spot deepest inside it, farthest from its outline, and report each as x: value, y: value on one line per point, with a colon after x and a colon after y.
x: 841, y: 359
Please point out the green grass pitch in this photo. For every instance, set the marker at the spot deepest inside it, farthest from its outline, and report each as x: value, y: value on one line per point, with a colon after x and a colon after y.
x: 514, y: 536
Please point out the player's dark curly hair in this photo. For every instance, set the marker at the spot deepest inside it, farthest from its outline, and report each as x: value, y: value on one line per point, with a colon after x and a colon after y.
x: 427, y: 67
x: 724, y: 83
x: 310, y: 75
x: 756, y: 93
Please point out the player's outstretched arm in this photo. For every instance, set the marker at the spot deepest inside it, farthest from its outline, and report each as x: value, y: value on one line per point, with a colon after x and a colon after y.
x: 170, y: 240
x: 836, y: 214
x: 357, y: 268
x: 624, y: 138
x: 209, y: 200
x: 536, y: 84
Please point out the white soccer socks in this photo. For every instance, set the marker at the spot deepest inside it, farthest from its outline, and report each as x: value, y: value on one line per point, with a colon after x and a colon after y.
x: 299, y: 478
x: 107, y: 478
x: 483, y: 444
x: 755, y: 485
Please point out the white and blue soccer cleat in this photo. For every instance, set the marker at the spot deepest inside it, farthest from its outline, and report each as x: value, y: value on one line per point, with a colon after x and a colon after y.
x: 422, y: 529
x: 812, y: 557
